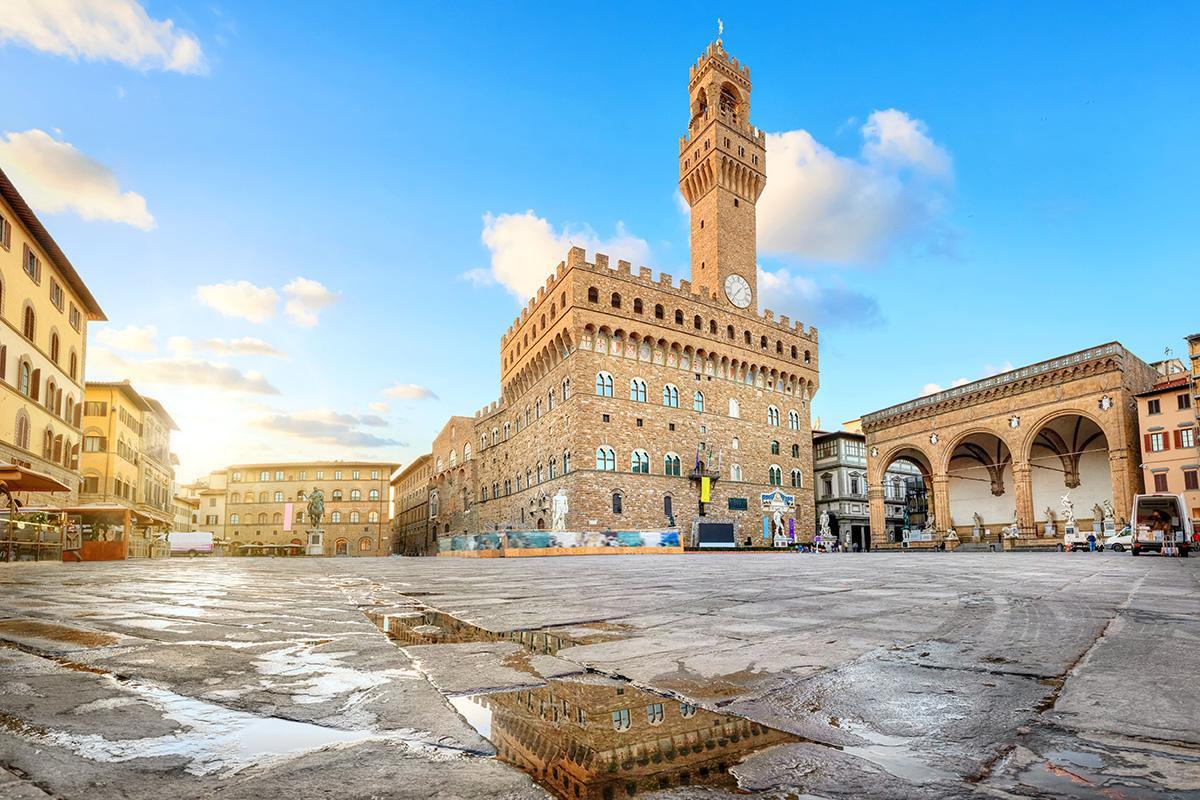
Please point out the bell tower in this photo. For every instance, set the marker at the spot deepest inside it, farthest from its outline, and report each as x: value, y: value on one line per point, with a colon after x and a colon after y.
x: 722, y: 172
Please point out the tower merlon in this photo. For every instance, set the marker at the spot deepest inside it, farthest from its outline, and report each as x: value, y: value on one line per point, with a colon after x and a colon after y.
x: 601, y: 260
x: 624, y: 267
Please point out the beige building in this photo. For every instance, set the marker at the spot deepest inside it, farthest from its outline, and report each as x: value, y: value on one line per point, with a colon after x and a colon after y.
x: 623, y: 394
x: 127, y: 461
x: 209, y: 494
x: 1170, y: 458
x: 412, y: 533
x: 45, y: 307
x: 266, y: 506
x: 185, y: 510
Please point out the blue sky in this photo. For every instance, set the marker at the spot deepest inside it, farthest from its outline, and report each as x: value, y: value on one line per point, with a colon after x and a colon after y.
x: 951, y: 190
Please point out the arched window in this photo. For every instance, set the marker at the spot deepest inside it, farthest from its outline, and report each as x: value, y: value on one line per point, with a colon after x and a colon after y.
x: 566, y: 388
x: 697, y: 323
x: 354, y: 516
x: 593, y: 295
x: 729, y: 332
x: 795, y: 451
x: 604, y: 384
x: 374, y: 515
x: 364, y: 544
x: 807, y: 357
x: 507, y: 432
x: 698, y: 401
x: 637, y: 390
x: 671, y: 465
x: 467, y: 448
x: 639, y: 461
x: 262, y: 518
x: 374, y: 496
x: 658, y: 312
x: 74, y: 366
x: 495, y: 436
x: 54, y: 347
x: 678, y: 317
x: 670, y: 395
x: 774, y: 448
x: 606, y: 459
x: 735, y: 444
x: 233, y: 519
x: 712, y: 326
x: 276, y: 518
x: 746, y: 336
x: 797, y: 479
x: 616, y: 300
x: 735, y: 410
x: 616, y: 502
x: 235, y: 498
x: 553, y: 467
x: 453, y: 459
x: 337, y: 494
x: 775, y: 475
x: 355, y: 494
x: 336, y: 516
x: 735, y: 472
x: 637, y: 305
x: 29, y: 323
x: 762, y: 342
x: 772, y: 415
x: 279, y: 497
x: 793, y: 421
x: 566, y: 461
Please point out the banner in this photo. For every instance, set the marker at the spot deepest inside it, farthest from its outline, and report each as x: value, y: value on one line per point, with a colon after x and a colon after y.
x: 705, y: 489
x: 287, y: 515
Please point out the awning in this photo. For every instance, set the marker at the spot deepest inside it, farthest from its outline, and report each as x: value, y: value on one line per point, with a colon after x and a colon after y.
x: 21, y: 479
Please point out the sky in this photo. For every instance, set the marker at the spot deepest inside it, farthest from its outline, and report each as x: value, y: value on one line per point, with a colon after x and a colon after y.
x: 309, y: 223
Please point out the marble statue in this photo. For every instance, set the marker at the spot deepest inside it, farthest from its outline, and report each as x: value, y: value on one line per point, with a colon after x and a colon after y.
x: 1049, y: 513
x: 777, y: 519
x: 931, y: 525
x: 978, y: 520
x: 558, y: 519
x: 1109, y: 514
x: 1068, y: 508
x: 1097, y: 513
x: 825, y: 528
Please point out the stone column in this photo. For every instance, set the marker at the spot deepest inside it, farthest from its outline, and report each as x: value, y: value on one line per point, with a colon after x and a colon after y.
x: 878, y: 515
x: 940, y: 505
x: 1023, y: 478
x: 1125, y: 482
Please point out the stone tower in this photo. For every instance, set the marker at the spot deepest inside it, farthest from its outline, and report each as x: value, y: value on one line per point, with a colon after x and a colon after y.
x: 722, y: 171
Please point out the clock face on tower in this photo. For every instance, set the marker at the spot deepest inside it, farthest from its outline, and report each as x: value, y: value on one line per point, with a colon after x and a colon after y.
x: 738, y: 291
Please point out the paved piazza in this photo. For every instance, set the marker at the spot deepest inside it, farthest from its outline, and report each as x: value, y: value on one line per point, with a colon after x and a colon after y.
x: 856, y: 676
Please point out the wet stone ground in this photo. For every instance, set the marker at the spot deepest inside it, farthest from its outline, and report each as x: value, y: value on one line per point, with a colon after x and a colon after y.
x: 781, y: 675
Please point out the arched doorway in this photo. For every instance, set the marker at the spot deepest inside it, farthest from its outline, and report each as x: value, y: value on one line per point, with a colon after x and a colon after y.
x: 341, y: 547
x: 1069, y: 456
x: 981, y: 487
x: 901, y: 495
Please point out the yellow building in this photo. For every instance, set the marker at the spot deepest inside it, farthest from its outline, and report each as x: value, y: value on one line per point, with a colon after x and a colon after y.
x: 127, y: 463
x: 185, y: 509
x: 45, y: 307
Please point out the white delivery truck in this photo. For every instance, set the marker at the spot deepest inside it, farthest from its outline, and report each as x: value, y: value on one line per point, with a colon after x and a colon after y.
x: 191, y: 543
x: 1160, y: 525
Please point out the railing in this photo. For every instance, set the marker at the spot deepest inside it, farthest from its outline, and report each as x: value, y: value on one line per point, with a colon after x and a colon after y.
x: 1003, y: 378
x: 22, y: 540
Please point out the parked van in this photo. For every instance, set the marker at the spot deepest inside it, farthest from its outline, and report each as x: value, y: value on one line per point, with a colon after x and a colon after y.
x: 191, y: 543
x: 1149, y: 513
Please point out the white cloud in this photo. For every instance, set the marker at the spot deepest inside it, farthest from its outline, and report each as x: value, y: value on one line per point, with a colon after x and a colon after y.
x: 180, y: 345
x: 803, y: 299
x: 820, y: 206
x: 131, y: 338
x: 329, y: 427
x: 305, y: 297
x: 526, y: 248
x: 101, y: 30
x: 409, y: 391
x: 378, y: 408
x: 177, y: 371
x: 55, y: 177
x: 988, y: 371
x: 246, y: 346
x: 240, y: 299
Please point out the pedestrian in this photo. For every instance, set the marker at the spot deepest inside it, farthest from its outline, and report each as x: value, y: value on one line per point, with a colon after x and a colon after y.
x: 1091, y: 540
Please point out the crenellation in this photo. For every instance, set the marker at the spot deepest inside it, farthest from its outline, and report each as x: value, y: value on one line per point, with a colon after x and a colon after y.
x: 601, y: 261
x: 769, y: 315
x: 624, y: 267
x: 576, y: 256
x: 646, y: 274
x: 785, y: 322
x: 685, y: 287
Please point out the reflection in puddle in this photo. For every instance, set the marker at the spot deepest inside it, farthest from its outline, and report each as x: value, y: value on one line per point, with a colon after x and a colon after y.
x: 598, y: 738
x: 429, y: 626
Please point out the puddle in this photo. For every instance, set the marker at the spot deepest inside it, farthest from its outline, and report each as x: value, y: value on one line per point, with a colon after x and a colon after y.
x: 600, y: 738
x: 21, y: 628
x: 895, y: 755
x: 429, y: 626
x: 588, y: 736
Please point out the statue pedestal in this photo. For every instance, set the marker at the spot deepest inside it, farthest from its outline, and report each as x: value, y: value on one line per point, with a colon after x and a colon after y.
x: 977, y: 533
x: 1049, y: 530
x: 316, y: 544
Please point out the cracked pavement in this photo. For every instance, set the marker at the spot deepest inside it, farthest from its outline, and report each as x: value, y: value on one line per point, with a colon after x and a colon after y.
x: 933, y: 675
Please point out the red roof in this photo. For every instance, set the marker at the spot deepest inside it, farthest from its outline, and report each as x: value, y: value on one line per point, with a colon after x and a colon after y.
x: 1181, y: 381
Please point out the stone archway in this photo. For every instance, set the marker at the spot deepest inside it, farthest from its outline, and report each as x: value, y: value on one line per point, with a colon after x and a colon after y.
x: 1069, y: 454
x: 981, y: 485
x: 878, y: 497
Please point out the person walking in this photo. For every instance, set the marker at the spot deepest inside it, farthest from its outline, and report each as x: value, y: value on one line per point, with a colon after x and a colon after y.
x: 1091, y: 540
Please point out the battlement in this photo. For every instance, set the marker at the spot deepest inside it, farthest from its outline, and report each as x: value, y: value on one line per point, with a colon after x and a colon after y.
x: 491, y: 409
x: 716, y: 52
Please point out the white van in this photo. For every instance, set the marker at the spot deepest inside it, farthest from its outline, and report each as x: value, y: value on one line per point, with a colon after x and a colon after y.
x: 1171, y: 507
x: 191, y: 543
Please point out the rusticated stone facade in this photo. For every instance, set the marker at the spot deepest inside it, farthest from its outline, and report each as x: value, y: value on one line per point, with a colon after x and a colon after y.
x: 619, y: 390
x: 412, y: 533
x: 1009, y: 447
